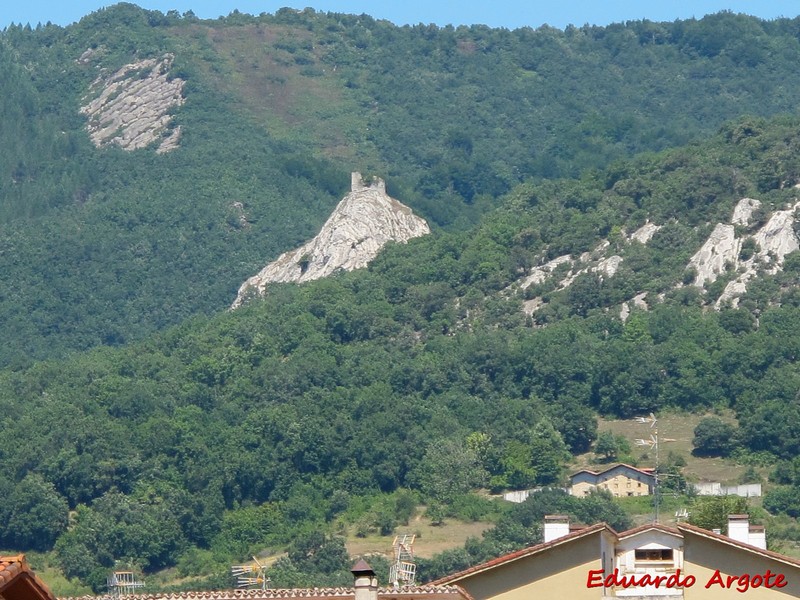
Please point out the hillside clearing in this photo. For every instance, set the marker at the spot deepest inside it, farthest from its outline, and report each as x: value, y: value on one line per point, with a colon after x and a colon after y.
x: 430, y: 539
x: 676, y: 430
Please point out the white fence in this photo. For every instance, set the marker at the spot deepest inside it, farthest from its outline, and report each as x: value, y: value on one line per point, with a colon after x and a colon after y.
x: 746, y: 490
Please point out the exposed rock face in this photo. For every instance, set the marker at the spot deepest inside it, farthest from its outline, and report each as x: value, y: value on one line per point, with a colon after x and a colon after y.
x: 744, y: 211
x: 363, y: 222
x: 720, y: 249
x: 774, y: 241
x: 777, y: 239
x: 645, y: 233
x: 131, y: 108
x: 589, y: 262
x: 608, y: 266
x: 722, y: 253
x: 540, y: 274
x: 638, y: 302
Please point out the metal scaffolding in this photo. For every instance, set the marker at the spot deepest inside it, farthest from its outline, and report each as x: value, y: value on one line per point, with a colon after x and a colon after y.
x: 122, y: 583
x: 248, y: 576
x: 404, y: 570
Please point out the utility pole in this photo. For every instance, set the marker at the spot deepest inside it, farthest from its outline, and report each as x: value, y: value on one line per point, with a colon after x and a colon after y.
x: 652, y: 443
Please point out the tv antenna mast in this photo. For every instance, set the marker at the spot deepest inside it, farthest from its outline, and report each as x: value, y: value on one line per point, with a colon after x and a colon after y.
x: 404, y: 570
x: 248, y: 576
x: 652, y: 443
x: 122, y: 583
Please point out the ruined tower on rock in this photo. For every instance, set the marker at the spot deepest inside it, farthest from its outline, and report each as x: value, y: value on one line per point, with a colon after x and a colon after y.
x: 362, y: 223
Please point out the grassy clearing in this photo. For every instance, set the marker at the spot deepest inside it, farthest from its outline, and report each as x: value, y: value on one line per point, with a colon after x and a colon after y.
x: 675, y: 430
x: 430, y: 539
x: 282, y: 82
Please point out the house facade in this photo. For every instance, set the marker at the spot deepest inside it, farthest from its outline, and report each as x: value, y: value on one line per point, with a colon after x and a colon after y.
x: 621, y: 480
x: 652, y: 562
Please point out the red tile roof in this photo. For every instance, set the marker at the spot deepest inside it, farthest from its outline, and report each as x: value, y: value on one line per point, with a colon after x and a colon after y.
x: 10, y: 568
x: 687, y: 528
x: 642, y: 470
x: 422, y: 592
x: 523, y: 553
x: 18, y: 581
x: 657, y: 526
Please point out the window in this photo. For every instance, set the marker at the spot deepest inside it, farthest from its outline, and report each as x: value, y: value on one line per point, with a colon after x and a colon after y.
x: 656, y: 555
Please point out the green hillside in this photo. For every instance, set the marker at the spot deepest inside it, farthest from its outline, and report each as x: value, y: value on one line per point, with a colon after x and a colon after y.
x: 103, y: 246
x: 252, y: 427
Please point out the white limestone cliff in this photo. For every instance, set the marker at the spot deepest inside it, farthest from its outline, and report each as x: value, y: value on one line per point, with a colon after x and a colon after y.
x: 774, y: 241
x: 638, y: 302
x: 540, y: 274
x: 362, y: 223
x: 645, y: 233
x: 720, y: 251
x: 743, y: 212
x: 131, y: 108
x: 721, y: 254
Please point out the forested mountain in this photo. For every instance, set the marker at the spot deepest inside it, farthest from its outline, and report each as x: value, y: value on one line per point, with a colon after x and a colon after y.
x: 102, y: 246
x: 144, y: 422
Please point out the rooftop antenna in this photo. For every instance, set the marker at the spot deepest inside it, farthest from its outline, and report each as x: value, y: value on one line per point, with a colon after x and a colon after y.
x: 403, y: 571
x: 248, y: 576
x: 652, y: 443
x: 122, y: 583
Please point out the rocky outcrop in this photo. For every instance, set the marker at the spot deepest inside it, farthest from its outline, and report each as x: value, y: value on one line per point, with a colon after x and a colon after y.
x: 362, y: 223
x: 722, y: 251
x: 773, y: 242
x: 588, y: 262
x: 645, y: 233
x: 731, y: 249
x: 131, y: 108
x: 777, y: 238
x: 638, y: 301
x: 719, y: 251
x: 542, y: 273
x: 743, y: 213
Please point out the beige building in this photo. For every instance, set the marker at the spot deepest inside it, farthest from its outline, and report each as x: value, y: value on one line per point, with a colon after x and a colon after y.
x: 621, y: 480
x: 652, y: 562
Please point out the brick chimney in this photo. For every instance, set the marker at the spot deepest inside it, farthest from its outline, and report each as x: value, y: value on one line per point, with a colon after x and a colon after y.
x: 366, y: 582
x: 555, y: 526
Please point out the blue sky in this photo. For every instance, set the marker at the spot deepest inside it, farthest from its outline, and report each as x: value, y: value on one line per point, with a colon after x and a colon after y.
x: 499, y: 13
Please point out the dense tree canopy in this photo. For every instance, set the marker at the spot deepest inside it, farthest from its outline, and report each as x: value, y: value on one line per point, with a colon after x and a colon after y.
x: 104, y: 246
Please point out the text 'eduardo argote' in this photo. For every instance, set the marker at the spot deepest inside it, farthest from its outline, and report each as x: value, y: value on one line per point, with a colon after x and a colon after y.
x: 741, y: 583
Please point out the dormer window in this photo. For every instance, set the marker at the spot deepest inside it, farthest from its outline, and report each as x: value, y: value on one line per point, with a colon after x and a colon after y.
x: 655, y: 557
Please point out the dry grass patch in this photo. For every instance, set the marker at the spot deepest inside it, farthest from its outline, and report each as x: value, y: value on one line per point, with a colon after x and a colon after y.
x: 430, y: 539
